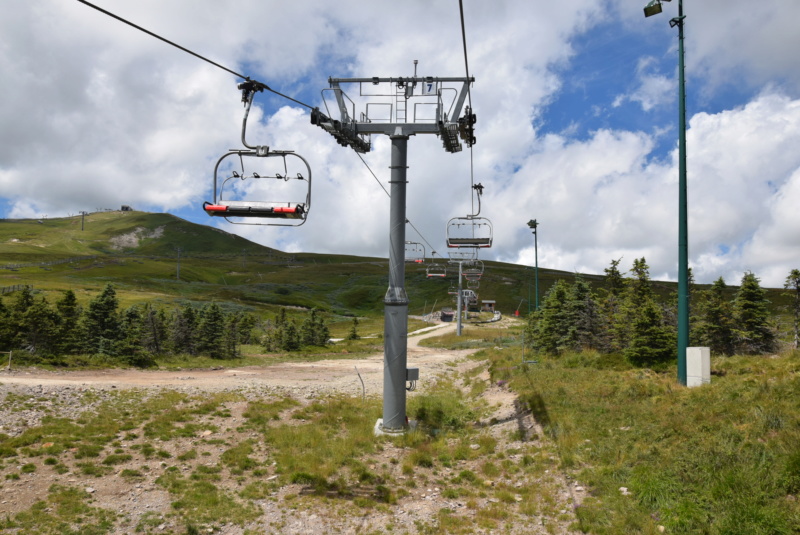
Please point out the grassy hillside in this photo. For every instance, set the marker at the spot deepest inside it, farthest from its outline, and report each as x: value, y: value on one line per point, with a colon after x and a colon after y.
x: 138, y: 252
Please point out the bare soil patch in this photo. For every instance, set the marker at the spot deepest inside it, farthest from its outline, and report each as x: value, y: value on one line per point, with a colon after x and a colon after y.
x: 424, y: 505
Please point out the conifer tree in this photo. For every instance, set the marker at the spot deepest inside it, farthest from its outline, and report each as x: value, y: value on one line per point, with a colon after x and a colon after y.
x: 130, y: 340
x: 582, y: 317
x: 651, y: 344
x: 609, y: 309
x: 793, y: 284
x: 183, y: 334
x: 549, y: 325
x: 714, y: 320
x: 154, y: 330
x: 101, y: 322
x: 289, y: 337
x: 230, y: 337
x: 210, y: 330
x: 6, y: 331
x: 247, y: 323
x: 38, y: 328
x: 353, y: 334
x: 313, y: 331
x: 639, y: 329
x: 753, y: 332
x: 615, y: 283
x: 70, y: 336
x: 24, y: 300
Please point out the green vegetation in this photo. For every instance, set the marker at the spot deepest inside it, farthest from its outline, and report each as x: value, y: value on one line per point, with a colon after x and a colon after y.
x: 628, y: 318
x: 717, y: 459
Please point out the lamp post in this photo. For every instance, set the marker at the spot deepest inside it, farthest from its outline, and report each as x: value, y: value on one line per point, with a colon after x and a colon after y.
x: 533, y: 224
x: 653, y: 8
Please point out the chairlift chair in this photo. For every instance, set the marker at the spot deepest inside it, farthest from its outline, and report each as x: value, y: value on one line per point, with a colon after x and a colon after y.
x: 473, y: 284
x: 237, y: 195
x: 473, y: 270
x: 415, y: 252
x: 471, y: 230
x: 436, y: 269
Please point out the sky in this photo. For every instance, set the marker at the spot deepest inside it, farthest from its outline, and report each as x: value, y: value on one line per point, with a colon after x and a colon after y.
x: 576, y: 105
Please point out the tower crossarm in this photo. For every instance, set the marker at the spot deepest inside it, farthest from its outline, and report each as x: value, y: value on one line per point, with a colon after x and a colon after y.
x: 390, y: 105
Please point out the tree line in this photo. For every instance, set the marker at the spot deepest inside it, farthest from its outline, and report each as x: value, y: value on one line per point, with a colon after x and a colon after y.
x: 628, y: 317
x: 135, y: 335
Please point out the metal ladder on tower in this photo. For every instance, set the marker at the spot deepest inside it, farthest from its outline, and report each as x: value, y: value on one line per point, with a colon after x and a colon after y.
x: 400, y: 103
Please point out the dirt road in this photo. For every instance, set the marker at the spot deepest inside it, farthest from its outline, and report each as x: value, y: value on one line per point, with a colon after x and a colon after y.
x: 323, y: 376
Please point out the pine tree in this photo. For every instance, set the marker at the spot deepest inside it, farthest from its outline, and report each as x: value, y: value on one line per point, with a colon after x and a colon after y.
x: 714, y: 320
x: 793, y: 283
x: 230, y: 337
x: 289, y: 337
x: 24, y: 300
x: 322, y: 333
x: 313, y: 331
x: 183, y: 331
x: 38, y: 328
x: 651, y: 344
x: 70, y: 335
x: 210, y: 329
x: 582, y: 317
x: 639, y: 328
x: 247, y: 323
x: 753, y: 332
x: 101, y: 322
x: 609, y: 309
x: 6, y: 331
x: 129, y: 344
x: 154, y: 330
x: 353, y: 334
x: 615, y: 283
x: 551, y: 322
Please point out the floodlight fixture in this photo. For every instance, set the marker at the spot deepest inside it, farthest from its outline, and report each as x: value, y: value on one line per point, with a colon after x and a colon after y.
x: 653, y: 8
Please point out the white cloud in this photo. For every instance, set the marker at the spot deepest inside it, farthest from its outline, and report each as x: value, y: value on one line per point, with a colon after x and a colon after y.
x: 652, y: 89
x: 602, y: 199
x: 96, y: 114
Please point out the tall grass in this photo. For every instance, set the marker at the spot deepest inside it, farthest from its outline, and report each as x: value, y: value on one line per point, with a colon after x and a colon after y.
x: 722, y: 458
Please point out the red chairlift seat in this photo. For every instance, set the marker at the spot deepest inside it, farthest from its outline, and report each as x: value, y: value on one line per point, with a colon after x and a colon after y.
x: 254, y: 209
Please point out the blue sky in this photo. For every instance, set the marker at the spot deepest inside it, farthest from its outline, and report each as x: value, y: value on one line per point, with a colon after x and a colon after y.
x: 577, y: 121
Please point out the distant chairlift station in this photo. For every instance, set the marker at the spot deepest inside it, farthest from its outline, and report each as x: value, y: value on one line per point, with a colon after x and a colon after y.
x: 259, y: 186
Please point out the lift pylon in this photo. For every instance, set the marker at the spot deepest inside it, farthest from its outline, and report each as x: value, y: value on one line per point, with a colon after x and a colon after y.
x: 399, y: 108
